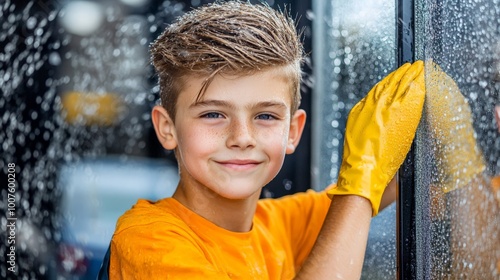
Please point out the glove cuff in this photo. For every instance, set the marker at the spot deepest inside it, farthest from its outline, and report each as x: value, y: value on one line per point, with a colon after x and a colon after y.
x: 365, y: 185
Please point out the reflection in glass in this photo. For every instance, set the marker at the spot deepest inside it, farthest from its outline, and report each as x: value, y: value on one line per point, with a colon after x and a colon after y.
x: 458, y: 144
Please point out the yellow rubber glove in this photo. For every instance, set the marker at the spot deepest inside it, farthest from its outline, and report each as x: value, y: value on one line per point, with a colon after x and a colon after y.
x: 458, y: 158
x: 379, y: 132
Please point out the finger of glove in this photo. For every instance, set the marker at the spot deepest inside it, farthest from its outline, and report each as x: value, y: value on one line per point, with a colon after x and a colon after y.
x: 412, y: 81
x: 413, y: 96
x: 356, y: 121
x: 401, y: 118
x: 401, y: 123
x: 374, y: 100
x: 388, y: 83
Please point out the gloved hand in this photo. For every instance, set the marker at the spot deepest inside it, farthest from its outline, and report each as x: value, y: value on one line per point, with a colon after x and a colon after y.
x: 449, y: 117
x: 379, y: 132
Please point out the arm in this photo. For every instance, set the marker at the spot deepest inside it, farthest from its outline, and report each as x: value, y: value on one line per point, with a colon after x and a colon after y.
x: 389, y: 195
x: 340, y: 248
x: 379, y: 133
x: 345, y: 232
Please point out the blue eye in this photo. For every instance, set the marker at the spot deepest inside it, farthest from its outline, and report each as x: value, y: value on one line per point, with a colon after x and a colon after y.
x: 212, y: 115
x: 266, y: 117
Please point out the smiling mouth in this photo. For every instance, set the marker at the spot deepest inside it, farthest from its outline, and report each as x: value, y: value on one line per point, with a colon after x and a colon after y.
x: 239, y: 165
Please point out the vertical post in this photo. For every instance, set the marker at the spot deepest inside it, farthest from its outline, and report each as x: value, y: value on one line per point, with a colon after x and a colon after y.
x: 405, y: 219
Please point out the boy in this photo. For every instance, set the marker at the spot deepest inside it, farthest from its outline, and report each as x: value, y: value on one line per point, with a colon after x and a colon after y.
x: 229, y: 77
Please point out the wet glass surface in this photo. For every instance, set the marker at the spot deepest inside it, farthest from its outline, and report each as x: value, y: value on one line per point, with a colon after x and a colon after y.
x: 458, y: 143
x: 353, y: 50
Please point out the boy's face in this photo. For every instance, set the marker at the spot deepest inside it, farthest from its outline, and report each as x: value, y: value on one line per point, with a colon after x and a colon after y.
x: 234, y: 140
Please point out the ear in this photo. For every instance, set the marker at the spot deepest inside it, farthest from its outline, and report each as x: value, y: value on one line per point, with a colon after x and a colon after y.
x: 296, y: 127
x: 164, y: 127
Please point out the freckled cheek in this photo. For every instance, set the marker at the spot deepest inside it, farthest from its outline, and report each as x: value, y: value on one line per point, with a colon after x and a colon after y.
x: 275, y: 140
x: 274, y: 146
x: 200, y: 141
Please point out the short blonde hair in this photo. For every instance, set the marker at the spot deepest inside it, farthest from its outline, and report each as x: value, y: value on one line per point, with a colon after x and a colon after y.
x: 234, y: 37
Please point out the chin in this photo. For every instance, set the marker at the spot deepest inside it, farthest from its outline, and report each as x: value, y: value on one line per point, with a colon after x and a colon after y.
x: 240, y: 193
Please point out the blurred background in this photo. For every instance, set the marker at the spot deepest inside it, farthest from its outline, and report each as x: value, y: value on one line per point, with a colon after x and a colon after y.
x: 77, y: 89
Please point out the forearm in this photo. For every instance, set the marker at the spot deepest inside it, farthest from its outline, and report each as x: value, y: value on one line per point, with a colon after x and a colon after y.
x: 389, y: 194
x: 340, y: 248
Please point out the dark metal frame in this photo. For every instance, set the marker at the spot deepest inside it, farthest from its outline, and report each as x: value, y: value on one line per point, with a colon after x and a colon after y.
x: 405, y: 220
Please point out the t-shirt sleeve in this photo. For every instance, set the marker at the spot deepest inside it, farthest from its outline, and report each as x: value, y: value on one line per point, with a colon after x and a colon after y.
x: 301, y: 215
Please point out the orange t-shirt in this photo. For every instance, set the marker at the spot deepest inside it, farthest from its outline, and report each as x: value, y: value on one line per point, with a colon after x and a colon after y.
x: 165, y: 240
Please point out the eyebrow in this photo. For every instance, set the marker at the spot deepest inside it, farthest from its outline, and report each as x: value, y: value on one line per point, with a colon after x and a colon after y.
x: 220, y: 103
x: 207, y: 103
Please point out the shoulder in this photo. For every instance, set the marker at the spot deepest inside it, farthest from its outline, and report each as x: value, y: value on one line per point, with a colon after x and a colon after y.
x: 151, y: 239
x: 152, y: 226
x: 297, y: 201
x: 293, y: 209
x: 148, y: 217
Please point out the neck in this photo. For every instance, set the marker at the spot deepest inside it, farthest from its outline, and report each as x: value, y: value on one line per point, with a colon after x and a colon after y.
x: 231, y: 214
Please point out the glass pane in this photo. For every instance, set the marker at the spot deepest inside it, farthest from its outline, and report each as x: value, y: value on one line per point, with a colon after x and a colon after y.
x: 354, y: 48
x: 458, y: 143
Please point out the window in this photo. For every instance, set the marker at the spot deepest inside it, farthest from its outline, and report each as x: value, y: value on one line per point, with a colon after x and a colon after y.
x: 452, y: 234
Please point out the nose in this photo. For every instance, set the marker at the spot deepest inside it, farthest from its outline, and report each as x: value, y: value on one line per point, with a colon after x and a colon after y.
x: 241, y: 134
